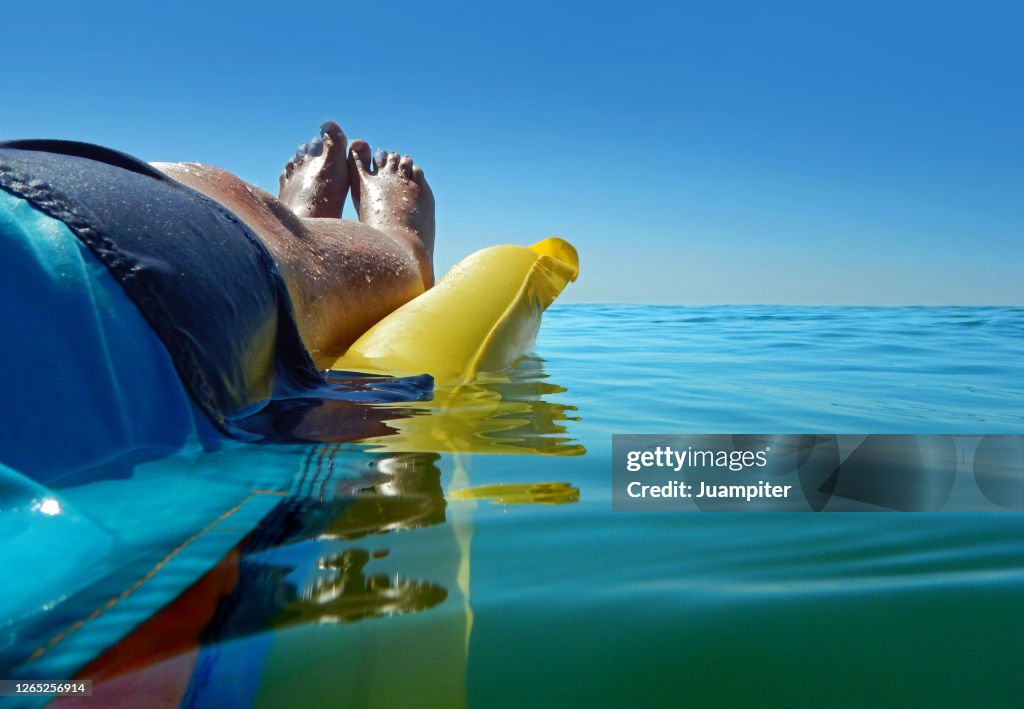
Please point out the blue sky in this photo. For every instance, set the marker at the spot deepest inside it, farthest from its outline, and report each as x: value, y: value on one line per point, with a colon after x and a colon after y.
x: 863, y: 153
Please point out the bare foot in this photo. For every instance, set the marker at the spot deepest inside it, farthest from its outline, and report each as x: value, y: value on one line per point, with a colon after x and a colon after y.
x: 315, y: 182
x: 394, y: 198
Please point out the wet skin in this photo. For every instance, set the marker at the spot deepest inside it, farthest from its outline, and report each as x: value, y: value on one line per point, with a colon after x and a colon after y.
x: 342, y: 275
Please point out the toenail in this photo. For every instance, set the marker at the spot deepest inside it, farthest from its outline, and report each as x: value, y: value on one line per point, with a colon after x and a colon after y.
x: 316, y: 147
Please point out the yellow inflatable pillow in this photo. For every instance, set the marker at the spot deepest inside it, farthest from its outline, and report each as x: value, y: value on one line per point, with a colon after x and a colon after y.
x: 481, y: 317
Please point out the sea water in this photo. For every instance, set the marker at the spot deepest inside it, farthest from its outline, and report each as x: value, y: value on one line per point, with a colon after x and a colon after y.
x: 578, y: 604
x: 571, y: 604
x: 474, y: 557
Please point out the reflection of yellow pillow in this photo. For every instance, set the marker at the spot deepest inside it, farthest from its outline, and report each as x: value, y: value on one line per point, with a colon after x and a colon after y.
x: 481, y: 317
x: 552, y: 493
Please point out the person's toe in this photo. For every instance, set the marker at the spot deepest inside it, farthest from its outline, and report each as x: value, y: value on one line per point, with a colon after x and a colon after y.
x: 358, y: 168
x: 393, y: 160
x: 333, y: 137
x: 359, y: 157
x: 417, y: 175
x: 405, y: 167
x: 315, y: 147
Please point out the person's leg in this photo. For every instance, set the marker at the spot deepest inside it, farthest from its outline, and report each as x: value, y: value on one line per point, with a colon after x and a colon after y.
x: 343, y: 276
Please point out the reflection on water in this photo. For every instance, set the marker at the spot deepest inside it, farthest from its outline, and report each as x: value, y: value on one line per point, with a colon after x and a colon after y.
x: 295, y: 570
x: 337, y: 549
x: 508, y: 412
x: 345, y: 593
x: 340, y: 496
x: 498, y: 413
x: 521, y: 493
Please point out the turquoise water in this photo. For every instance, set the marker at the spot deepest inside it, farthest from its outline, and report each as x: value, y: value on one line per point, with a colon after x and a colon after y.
x: 391, y: 573
x: 853, y: 610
